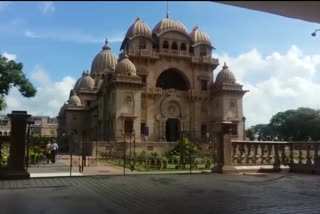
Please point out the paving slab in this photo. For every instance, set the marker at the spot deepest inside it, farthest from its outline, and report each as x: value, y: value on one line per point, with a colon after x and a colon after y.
x: 196, y: 193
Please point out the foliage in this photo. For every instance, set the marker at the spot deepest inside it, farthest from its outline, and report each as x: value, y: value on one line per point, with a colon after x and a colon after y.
x: 11, y: 76
x: 300, y: 124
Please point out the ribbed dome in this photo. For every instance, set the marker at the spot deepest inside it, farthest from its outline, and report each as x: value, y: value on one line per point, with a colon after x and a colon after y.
x: 126, y: 67
x: 225, y: 76
x: 138, y: 28
x: 169, y: 25
x: 74, y: 100
x: 199, y: 37
x: 86, y: 82
x: 105, y: 61
x: 77, y: 85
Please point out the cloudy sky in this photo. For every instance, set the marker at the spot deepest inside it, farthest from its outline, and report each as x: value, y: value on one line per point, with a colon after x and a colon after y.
x: 275, y: 57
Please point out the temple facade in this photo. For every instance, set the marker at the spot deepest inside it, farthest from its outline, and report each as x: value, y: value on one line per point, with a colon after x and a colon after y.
x: 159, y: 87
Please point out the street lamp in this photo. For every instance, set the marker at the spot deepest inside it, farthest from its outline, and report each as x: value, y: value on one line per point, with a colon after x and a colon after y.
x: 244, y: 127
x: 314, y: 33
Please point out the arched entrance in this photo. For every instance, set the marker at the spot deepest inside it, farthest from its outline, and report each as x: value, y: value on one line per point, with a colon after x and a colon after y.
x: 172, y: 79
x: 172, y: 129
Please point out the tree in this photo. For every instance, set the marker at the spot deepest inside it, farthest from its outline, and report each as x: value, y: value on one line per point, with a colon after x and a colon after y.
x: 11, y: 75
x: 300, y: 124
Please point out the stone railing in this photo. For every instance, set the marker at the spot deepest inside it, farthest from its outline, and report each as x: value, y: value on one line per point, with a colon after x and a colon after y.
x: 299, y: 156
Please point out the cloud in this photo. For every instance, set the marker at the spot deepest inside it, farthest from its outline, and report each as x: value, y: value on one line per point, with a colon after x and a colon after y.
x: 276, y: 82
x: 9, y: 56
x: 47, y: 7
x: 49, y: 98
x: 70, y: 36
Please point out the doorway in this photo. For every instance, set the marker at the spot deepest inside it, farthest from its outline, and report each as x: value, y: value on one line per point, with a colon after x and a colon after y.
x: 172, y: 130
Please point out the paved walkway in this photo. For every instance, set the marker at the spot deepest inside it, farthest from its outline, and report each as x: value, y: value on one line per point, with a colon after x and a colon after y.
x: 198, y: 193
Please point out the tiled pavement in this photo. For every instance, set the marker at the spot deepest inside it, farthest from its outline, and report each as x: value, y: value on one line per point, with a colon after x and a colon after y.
x: 198, y: 193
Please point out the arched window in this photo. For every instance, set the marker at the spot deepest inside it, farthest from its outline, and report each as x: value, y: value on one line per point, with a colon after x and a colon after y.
x: 5, y: 133
x: 172, y: 79
x: 0, y: 133
x: 174, y: 46
x: 165, y: 44
x: 183, y: 47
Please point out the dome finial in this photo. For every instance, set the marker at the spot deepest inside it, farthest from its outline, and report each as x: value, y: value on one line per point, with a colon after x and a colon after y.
x: 138, y: 18
x: 106, y: 45
x: 225, y: 65
x: 167, y: 15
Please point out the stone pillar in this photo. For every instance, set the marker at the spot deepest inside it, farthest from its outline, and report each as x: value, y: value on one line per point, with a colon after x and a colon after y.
x: 224, y: 150
x: 16, y: 163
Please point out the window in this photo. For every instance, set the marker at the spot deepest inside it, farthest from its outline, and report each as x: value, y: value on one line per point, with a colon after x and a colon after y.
x: 88, y: 102
x: 234, y: 129
x: 128, y: 126
x: 165, y: 44
x: 204, y: 85
x: 183, y: 47
x: 142, y: 44
x: 174, y: 46
x: 142, y: 128
x: 203, y: 51
x: 203, y: 130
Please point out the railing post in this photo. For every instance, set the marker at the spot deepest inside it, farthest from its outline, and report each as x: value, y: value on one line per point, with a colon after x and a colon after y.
x: 291, y: 154
x: 276, y: 164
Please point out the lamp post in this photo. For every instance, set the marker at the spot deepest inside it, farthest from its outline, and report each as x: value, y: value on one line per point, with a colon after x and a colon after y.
x: 315, y: 32
x: 244, y: 127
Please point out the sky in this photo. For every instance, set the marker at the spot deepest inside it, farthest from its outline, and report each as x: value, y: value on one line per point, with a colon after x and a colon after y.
x: 274, y: 57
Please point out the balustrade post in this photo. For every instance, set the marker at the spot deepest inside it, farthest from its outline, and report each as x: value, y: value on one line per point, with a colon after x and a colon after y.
x: 300, y: 155
x: 291, y: 155
x: 255, y: 156
x: 308, y: 156
x: 276, y: 164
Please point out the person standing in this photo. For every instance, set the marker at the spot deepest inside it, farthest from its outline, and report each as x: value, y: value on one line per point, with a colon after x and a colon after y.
x: 54, y: 149
x: 47, y: 151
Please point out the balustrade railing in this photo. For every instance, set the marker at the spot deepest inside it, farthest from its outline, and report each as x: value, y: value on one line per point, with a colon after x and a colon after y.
x: 275, y: 153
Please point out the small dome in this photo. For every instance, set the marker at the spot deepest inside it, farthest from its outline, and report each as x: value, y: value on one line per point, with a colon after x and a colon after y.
x: 86, y: 82
x: 225, y: 76
x: 77, y: 85
x: 74, y: 100
x: 199, y: 37
x: 105, y: 61
x: 169, y: 25
x: 125, y: 66
x: 138, y: 28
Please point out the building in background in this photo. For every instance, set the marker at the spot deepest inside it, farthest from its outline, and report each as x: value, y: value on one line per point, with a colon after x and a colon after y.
x: 43, y: 126
x: 160, y: 87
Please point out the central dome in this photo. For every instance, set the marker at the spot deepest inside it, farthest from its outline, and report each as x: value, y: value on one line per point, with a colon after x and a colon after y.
x: 169, y: 25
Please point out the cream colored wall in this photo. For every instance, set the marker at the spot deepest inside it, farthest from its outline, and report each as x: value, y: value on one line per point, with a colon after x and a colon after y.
x: 125, y: 107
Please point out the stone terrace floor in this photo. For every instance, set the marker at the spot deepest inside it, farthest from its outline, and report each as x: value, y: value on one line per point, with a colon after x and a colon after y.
x: 197, y: 193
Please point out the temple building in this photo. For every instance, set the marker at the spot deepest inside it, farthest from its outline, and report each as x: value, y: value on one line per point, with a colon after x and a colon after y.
x: 159, y: 87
